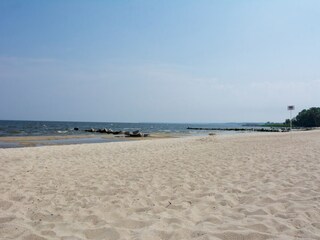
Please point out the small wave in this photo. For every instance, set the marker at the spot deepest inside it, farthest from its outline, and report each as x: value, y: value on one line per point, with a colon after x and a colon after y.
x: 165, y: 131
x: 62, y: 131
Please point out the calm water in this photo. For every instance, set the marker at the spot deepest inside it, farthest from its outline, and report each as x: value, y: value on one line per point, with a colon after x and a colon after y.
x: 45, y: 128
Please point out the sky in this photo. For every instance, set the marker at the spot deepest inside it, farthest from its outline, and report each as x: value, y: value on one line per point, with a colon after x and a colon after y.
x: 158, y: 61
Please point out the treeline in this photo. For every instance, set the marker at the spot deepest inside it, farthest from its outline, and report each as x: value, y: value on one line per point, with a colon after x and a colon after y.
x: 306, y: 118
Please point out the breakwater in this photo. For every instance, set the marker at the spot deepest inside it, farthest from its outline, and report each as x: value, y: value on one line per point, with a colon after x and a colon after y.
x: 243, y: 129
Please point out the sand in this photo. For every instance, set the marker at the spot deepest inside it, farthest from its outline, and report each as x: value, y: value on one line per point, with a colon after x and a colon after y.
x: 263, y: 186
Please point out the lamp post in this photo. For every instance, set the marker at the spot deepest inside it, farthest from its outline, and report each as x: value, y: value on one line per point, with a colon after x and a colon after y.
x: 290, y: 108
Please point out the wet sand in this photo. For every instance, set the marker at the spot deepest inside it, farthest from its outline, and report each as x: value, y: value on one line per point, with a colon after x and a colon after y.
x: 33, y: 141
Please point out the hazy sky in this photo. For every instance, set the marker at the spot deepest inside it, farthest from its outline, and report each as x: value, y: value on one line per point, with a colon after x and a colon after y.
x: 158, y: 61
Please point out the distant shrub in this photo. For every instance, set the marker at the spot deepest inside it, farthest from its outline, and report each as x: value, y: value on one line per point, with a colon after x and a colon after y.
x: 308, y: 118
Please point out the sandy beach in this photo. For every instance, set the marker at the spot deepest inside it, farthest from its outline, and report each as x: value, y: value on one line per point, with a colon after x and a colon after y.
x: 246, y: 186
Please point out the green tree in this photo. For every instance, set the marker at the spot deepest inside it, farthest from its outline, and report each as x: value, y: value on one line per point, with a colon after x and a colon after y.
x: 308, y: 118
x: 287, y: 122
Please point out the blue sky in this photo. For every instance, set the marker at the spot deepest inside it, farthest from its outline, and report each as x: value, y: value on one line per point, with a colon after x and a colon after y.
x: 158, y: 61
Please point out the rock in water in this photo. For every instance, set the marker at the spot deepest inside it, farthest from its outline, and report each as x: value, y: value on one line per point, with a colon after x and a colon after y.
x: 90, y: 130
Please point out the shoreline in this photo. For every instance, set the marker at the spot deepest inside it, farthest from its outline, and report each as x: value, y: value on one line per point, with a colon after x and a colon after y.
x: 37, y: 141
x: 51, y: 140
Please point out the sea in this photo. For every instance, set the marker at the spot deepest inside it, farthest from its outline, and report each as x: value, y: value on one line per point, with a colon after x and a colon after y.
x: 49, y: 128
x: 54, y: 128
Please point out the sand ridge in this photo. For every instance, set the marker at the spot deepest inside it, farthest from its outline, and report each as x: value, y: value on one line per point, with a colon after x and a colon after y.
x: 264, y: 186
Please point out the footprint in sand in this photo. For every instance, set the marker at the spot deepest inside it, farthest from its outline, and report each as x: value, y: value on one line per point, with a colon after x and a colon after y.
x: 316, y: 225
x: 6, y: 219
x: 247, y: 236
x: 95, y: 220
x: 259, y: 227
x: 17, y: 198
x: 48, y: 217
x: 212, y: 220
x: 132, y: 224
x: 256, y: 212
x: 10, y: 231
x: 172, y: 221
x: 33, y: 237
x: 5, y: 205
x: 102, y: 233
x: 70, y: 238
x: 48, y: 233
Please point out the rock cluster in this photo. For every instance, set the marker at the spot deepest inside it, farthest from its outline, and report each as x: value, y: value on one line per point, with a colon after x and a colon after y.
x: 244, y: 129
x: 136, y: 133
